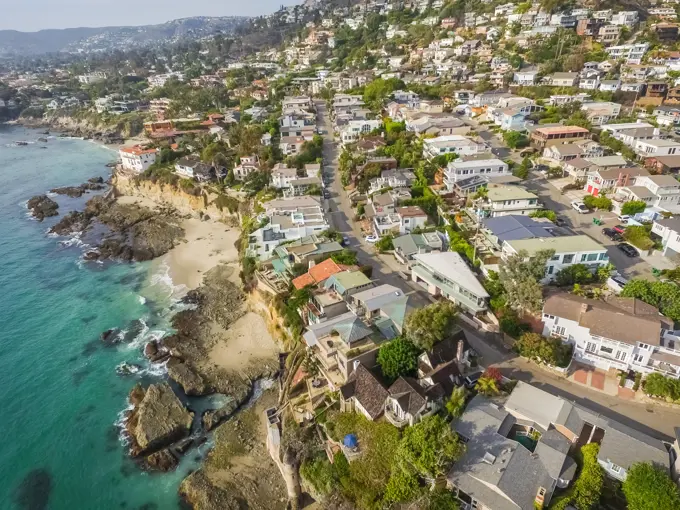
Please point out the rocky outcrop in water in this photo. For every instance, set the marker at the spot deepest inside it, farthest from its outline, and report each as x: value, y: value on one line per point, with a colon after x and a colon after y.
x: 213, y: 417
x: 42, y: 206
x: 132, y: 232
x: 191, y: 382
x: 94, y: 184
x: 157, y: 419
x: 201, y: 494
x: 155, y: 352
x: 163, y: 460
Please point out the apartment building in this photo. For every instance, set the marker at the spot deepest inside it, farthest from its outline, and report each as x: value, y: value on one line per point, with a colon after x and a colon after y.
x: 619, y: 333
x: 631, y: 53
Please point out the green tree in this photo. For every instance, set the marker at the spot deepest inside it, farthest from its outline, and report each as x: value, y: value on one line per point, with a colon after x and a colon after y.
x: 601, y: 203
x: 515, y: 139
x: 456, y: 403
x: 633, y: 207
x: 487, y: 386
x: 428, y: 449
x: 385, y: 244
x: 521, y: 276
x: 401, y: 487
x: 544, y: 213
x: 522, y: 170
x: 588, y: 486
x: 663, y: 295
x: 648, y: 487
x: 442, y: 499
x: 398, y: 358
x: 345, y: 257
x: 431, y: 324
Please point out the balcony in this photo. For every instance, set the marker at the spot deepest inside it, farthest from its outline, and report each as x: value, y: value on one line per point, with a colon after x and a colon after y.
x: 447, y: 290
x: 392, y: 417
x: 598, y: 358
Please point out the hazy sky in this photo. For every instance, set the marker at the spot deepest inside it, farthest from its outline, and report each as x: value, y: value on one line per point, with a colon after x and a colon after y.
x: 31, y: 15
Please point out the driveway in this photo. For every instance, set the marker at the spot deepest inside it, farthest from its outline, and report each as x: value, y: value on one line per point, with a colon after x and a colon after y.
x: 578, y: 223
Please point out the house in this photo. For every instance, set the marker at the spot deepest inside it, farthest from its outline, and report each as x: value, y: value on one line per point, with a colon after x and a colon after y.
x: 503, y: 200
x: 512, y: 228
x: 664, y: 164
x: 617, y: 333
x: 348, y: 283
x: 191, y: 167
x: 446, y: 274
x: 367, y: 303
x: 302, y: 186
x: 317, y: 274
x: 137, y: 159
x: 412, y: 217
x: 611, y: 179
x: 661, y: 191
x: 654, y: 148
x: 609, y: 85
x: 282, y: 176
x: 443, y: 363
x: 543, y: 137
x: 562, y: 79
x: 248, y: 165
x: 599, y: 113
x: 401, y: 178
x: 351, y: 132
x: 631, y: 53
x: 363, y: 393
x: 526, y: 78
x: 408, y: 402
x: 577, y: 249
x: 408, y: 245
x: 291, y: 145
x: 458, y: 170
x: 667, y: 115
x: 668, y: 231
x: 452, y: 144
x: 380, y: 204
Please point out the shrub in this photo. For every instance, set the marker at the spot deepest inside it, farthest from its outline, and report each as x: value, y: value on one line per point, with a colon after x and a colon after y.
x: 658, y: 385
x: 547, y: 350
x: 544, y: 213
x: 384, y: 244
x: 633, y: 207
x: 622, y: 379
x: 638, y: 379
x: 511, y: 325
x: 575, y: 274
x: 639, y: 236
x: 601, y: 203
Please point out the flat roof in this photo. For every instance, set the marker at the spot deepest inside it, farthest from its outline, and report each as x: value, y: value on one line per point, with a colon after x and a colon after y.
x: 562, y: 129
x: 451, y: 265
x: 563, y: 244
x: 497, y: 193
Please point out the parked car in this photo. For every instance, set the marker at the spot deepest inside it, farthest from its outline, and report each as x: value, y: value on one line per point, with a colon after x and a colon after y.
x: 560, y: 221
x: 326, y: 194
x: 623, y: 218
x: 612, y: 234
x: 620, y: 229
x: 371, y: 239
x: 345, y: 241
x: 579, y: 206
x: 472, y: 379
x: 627, y: 249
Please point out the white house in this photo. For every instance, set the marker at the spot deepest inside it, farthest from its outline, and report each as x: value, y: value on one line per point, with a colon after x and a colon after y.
x: 452, y: 144
x: 668, y: 230
x: 89, y: 78
x: 282, y: 176
x: 460, y: 170
x: 650, y: 148
x: 137, y: 159
x: 654, y: 190
x: 446, y: 274
x: 631, y: 53
x: 353, y: 130
x: 619, y: 333
x: 505, y: 200
x: 569, y: 250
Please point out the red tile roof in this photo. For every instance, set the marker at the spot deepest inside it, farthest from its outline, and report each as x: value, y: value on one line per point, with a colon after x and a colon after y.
x: 318, y: 273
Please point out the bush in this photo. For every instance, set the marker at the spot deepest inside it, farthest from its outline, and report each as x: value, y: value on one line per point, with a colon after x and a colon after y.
x: 346, y: 257
x: 546, y: 350
x: 658, y: 385
x: 633, y: 207
x: 601, y: 203
x: 384, y: 244
x: 575, y: 274
x: 511, y: 325
x: 544, y: 213
x: 638, y: 379
x: 639, y: 236
x: 398, y: 358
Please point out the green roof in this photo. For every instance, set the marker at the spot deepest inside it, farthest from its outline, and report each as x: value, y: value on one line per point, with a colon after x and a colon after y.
x: 348, y: 280
x: 563, y: 244
x: 409, y: 243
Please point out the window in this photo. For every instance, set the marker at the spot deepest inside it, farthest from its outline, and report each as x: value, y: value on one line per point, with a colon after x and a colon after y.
x: 592, y: 257
x: 559, y: 330
x: 547, y: 316
x: 615, y: 468
x: 603, y: 256
x: 621, y: 355
x: 637, y: 358
x: 568, y: 258
x: 556, y: 257
x: 584, y: 257
x: 643, y: 346
x: 608, y: 350
x: 551, y: 269
x: 590, y: 347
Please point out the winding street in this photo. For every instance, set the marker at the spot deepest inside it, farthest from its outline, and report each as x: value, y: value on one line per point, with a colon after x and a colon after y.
x: 655, y: 420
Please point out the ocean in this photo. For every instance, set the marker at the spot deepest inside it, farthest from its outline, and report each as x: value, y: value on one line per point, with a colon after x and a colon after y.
x: 60, y: 394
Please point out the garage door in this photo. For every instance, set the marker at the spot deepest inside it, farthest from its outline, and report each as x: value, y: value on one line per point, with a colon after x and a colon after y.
x: 595, y: 192
x: 590, y: 188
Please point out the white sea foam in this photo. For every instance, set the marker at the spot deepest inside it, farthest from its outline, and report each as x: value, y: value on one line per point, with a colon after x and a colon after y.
x: 162, y: 280
x: 141, y: 299
x: 120, y: 423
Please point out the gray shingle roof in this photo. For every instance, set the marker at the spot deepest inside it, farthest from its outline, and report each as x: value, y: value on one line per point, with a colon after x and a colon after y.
x: 514, y: 227
x: 367, y: 390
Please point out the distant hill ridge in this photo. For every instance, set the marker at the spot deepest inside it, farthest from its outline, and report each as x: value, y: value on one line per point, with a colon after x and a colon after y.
x: 13, y: 42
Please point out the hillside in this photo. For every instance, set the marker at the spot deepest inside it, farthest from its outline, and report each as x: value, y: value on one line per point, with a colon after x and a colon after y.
x: 13, y: 42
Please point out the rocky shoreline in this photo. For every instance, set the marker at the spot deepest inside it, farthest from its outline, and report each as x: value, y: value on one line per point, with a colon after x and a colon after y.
x: 69, y: 127
x: 130, y: 232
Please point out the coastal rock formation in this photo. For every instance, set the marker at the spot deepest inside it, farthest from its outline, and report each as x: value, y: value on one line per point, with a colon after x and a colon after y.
x: 201, y: 494
x: 155, y: 352
x: 213, y: 417
x: 93, y: 184
x: 163, y: 460
x: 133, y: 232
x: 157, y: 420
x: 190, y: 381
x: 42, y: 206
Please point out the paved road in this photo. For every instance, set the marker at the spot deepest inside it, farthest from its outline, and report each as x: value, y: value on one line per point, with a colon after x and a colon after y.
x: 656, y: 421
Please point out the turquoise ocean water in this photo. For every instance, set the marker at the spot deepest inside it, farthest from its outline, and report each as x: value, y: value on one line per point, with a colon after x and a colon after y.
x: 60, y: 394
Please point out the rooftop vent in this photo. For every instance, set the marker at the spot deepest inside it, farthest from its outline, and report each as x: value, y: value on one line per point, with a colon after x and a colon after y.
x: 489, y: 458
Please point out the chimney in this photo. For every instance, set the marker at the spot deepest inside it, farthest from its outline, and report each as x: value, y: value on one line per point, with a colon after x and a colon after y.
x: 540, y: 497
x: 312, y: 263
x: 459, y: 350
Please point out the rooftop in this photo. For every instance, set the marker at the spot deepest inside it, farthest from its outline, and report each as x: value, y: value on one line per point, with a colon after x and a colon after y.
x: 500, y: 193
x: 515, y: 227
x: 452, y: 266
x: 564, y: 244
